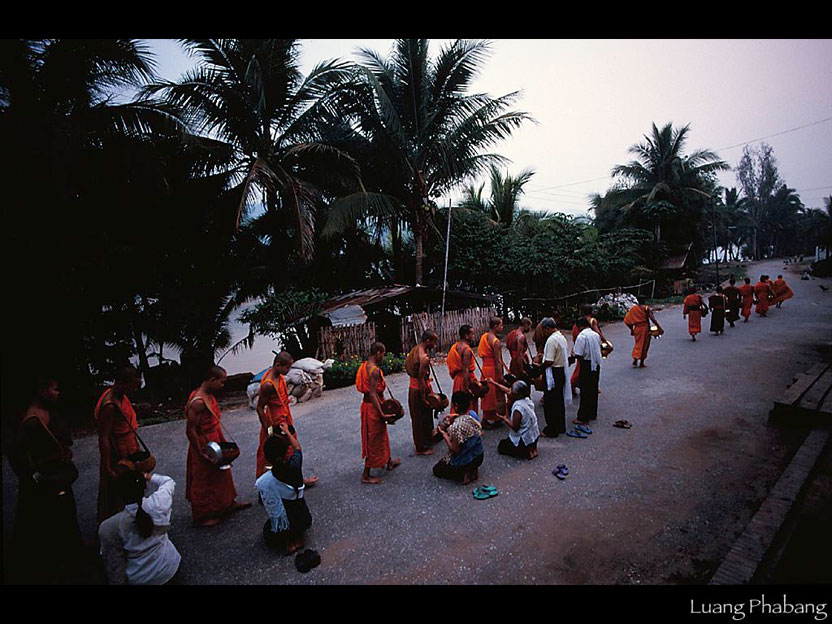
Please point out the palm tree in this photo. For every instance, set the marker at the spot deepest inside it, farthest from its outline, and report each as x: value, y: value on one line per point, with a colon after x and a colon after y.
x: 665, y: 186
x: 502, y: 207
x: 250, y: 95
x: 425, y: 126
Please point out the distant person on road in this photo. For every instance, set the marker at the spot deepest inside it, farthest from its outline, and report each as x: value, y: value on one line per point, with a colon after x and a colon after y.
x: 273, y: 407
x: 733, y: 296
x: 638, y: 319
x: 490, y: 351
x: 134, y: 543
x: 587, y: 348
x: 117, y: 424
x: 375, y: 443
x: 518, y: 348
x: 417, y: 366
x: 209, y: 488
x: 523, y: 430
x: 747, y: 294
x: 762, y: 291
x: 586, y: 312
x: 782, y: 292
x: 282, y: 492
x: 558, y: 392
x: 718, y: 304
x: 461, y: 365
x: 462, y: 433
x: 692, y: 310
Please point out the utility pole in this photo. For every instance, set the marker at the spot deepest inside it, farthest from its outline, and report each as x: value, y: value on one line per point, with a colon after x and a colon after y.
x: 445, y: 279
x: 713, y: 227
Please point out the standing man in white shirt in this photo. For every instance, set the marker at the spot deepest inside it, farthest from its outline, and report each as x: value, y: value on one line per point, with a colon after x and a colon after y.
x: 587, y: 347
x: 555, y: 362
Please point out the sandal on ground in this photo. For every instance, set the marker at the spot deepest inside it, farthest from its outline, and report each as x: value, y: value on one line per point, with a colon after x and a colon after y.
x: 485, y: 491
x: 622, y: 424
x: 559, y: 474
x: 583, y: 428
x: 576, y: 434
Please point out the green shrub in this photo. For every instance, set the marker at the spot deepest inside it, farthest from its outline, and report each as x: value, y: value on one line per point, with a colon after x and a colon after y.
x: 342, y: 373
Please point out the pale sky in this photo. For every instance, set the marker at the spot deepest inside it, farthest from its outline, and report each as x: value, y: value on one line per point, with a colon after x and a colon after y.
x: 594, y: 98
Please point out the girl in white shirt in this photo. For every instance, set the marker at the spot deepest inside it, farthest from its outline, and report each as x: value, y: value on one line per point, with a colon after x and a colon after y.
x: 134, y: 542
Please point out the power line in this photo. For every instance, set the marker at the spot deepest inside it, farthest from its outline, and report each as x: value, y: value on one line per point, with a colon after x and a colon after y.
x: 814, y: 123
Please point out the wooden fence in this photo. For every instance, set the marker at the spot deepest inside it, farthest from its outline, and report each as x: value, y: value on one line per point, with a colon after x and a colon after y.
x: 413, y: 326
x: 334, y: 342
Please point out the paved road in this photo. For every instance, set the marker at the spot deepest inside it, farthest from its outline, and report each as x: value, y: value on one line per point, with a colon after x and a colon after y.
x: 660, y: 503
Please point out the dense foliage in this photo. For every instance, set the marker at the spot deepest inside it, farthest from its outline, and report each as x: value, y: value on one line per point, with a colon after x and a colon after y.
x: 342, y: 373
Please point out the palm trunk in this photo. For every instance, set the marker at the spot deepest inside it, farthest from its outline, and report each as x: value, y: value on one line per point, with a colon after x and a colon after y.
x: 419, y: 240
x: 395, y: 234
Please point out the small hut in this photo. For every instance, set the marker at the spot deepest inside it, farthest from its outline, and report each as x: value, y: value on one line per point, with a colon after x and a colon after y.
x: 674, y: 270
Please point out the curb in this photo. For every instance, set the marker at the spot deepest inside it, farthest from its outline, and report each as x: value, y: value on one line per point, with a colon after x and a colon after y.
x: 747, y: 554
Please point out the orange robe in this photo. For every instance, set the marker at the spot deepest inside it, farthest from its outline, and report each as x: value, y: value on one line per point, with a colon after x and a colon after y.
x: 421, y: 415
x: 210, y: 490
x: 277, y: 411
x: 781, y: 291
x: 637, y: 319
x: 375, y: 444
x: 454, y: 362
x: 761, y: 290
x: 123, y: 442
x: 747, y: 294
x: 693, y: 309
x: 492, y: 402
x: 517, y: 357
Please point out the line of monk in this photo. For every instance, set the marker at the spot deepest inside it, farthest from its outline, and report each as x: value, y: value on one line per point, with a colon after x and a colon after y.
x: 491, y: 353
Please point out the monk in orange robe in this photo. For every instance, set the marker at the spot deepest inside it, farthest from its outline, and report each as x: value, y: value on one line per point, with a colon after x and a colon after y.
x: 692, y: 310
x: 491, y: 351
x: 417, y: 366
x: 762, y: 290
x: 518, y: 348
x: 747, y: 295
x: 586, y: 312
x: 209, y: 489
x: 733, y: 297
x: 638, y: 320
x: 375, y: 443
x: 781, y: 291
x: 273, y: 408
x: 117, y: 424
x: 461, y: 364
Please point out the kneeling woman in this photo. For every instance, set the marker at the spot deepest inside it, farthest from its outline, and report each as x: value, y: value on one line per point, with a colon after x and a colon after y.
x: 522, y: 437
x: 134, y: 542
x: 281, y: 490
x: 463, y: 435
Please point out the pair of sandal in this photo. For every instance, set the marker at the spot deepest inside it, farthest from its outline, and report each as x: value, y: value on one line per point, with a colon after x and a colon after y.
x: 561, y: 472
x: 485, y: 491
x: 580, y: 431
x: 622, y: 424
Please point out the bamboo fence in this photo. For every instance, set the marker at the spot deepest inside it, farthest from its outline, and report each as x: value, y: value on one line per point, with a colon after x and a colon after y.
x: 334, y: 342
x: 412, y: 326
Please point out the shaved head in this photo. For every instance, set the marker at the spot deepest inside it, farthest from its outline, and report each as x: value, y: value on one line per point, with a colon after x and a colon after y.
x: 215, y: 372
x: 284, y: 358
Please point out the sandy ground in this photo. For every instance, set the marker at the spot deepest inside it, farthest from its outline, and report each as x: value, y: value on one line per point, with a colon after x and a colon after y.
x: 660, y: 503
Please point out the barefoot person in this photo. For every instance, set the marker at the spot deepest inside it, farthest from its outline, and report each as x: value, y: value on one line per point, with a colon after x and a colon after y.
x: 523, y: 431
x: 587, y: 348
x: 461, y: 365
x: 762, y: 291
x: 117, y: 424
x: 209, y: 489
x: 782, y: 292
x: 692, y: 310
x: 273, y: 407
x: 558, y: 392
x: 718, y: 304
x: 375, y: 444
x: 747, y: 297
x: 638, y: 320
x: 282, y: 492
x: 417, y: 365
x: 518, y: 348
x: 733, y: 296
x: 462, y: 433
x: 586, y: 312
x: 491, y: 351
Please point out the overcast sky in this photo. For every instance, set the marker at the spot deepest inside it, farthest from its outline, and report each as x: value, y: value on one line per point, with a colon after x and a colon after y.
x: 592, y: 99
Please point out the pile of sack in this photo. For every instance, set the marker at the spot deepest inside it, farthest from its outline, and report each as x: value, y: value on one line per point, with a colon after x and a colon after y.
x: 617, y: 303
x: 304, y: 381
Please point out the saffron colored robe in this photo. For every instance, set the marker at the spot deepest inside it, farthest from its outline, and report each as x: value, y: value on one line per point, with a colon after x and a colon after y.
x: 210, y: 490
x: 421, y: 414
x: 693, y: 308
x: 637, y: 320
x: 733, y: 295
x: 517, y: 357
x: 492, y: 402
x: 375, y: 444
x: 761, y: 290
x: 747, y: 293
x: 277, y: 411
x: 123, y: 442
x: 455, y: 370
x: 781, y: 291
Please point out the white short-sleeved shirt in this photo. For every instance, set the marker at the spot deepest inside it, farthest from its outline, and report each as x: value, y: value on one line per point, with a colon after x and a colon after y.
x: 528, y: 431
x: 552, y: 351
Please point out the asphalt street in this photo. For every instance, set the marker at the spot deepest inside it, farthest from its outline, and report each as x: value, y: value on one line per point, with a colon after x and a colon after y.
x: 659, y: 503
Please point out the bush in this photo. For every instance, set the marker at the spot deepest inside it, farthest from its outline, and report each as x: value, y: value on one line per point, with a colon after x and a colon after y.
x: 342, y: 373
x: 822, y: 268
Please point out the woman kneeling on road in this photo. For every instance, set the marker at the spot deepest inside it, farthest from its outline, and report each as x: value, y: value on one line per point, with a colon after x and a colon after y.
x: 522, y: 437
x: 463, y: 435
